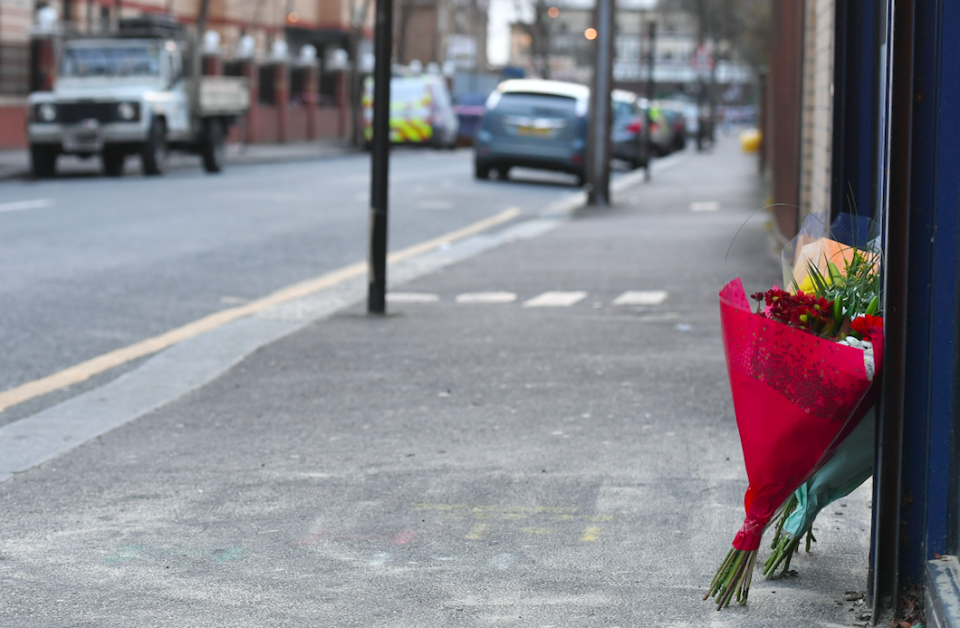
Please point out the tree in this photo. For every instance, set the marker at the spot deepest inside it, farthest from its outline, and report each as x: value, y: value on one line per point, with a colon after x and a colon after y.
x: 738, y: 29
x: 539, y: 32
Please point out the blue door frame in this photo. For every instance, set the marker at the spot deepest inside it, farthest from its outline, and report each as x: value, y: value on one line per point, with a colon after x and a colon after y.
x: 916, y: 487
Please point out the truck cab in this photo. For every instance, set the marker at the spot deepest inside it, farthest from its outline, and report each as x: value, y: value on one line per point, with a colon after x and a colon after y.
x: 130, y: 93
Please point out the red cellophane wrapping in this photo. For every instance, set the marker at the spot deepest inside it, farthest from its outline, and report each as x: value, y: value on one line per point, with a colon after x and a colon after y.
x: 795, y: 396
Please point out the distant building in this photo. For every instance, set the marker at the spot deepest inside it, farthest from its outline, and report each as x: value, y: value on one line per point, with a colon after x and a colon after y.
x: 452, y: 32
x: 571, y: 53
x: 273, y: 35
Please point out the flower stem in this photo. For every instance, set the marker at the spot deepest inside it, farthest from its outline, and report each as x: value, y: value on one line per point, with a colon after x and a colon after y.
x: 733, y: 578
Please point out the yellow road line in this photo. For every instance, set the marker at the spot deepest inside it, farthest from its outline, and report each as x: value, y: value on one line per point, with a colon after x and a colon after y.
x: 478, y: 532
x: 534, y: 530
x: 85, y: 370
x: 590, y: 533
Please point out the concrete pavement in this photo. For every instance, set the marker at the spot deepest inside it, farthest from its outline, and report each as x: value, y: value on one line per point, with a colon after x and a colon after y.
x: 539, y: 434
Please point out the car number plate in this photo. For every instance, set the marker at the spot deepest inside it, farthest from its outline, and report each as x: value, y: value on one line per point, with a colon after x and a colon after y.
x: 533, y: 131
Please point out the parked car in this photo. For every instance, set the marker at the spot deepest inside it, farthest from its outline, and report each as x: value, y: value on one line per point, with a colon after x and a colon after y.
x: 543, y: 124
x: 421, y: 111
x: 629, y: 122
x: 676, y: 121
x: 661, y: 133
x: 125, y: 93
x: 469, y: 109
x: 533, y: 123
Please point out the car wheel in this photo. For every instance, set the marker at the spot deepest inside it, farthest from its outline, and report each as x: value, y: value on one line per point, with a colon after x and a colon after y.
x: 481, y: 171
x: 503, y: 173
x: 154, y: 151
x: 43, y: 160
x: 113, y: 160
x: 212, y: 150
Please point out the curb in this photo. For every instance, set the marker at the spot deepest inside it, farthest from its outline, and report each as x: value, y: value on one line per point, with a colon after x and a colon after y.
x: 183, y: 161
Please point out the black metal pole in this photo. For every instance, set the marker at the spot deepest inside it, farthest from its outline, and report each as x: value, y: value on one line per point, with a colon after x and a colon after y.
x: 885, y: 563
x: 651, y: 60
x: 701, y: 88
x: 598, y: 167
x: 380, y: 160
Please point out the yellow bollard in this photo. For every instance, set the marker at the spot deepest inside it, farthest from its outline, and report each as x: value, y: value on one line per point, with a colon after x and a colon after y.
x: 750, y: 140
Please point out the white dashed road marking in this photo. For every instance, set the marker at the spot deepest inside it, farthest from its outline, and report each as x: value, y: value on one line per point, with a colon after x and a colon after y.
x: 18, y: 206
x: 705, y: 206
x: 412, y: 297
x: 641, y: 297
x: 436, y: 204
x: 487, y: 297
x: 556, y: 299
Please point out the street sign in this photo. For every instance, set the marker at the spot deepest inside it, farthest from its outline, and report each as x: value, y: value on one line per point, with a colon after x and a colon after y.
x: 702, y: 60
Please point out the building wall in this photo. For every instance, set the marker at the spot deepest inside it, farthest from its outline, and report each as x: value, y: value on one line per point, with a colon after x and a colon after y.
x: 818, y: 90
x: 324, y: 22
x: 16, y: 17
x: 419, y: 38
x: 783, y: 113
x: 809, y: 104
x: 13, y: 120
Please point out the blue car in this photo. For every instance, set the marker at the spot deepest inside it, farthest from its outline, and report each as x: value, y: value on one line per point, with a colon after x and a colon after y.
x: 534, y: 124
x: 543, y: 124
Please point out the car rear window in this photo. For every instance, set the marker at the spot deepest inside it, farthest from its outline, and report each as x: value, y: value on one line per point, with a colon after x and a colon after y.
x: 537, y: 105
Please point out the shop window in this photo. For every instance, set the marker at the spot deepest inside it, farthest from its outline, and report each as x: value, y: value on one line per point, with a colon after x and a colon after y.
x: 298, y: 82
x: 233, y: 68
x: 267, y: 89
x: 329, y: 89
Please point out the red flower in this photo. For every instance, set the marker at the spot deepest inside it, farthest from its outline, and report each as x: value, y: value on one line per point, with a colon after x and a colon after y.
x: 801, y: 310
x: 863, y: 325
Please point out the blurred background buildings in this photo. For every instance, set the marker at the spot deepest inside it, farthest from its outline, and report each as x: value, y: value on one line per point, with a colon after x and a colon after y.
x: 301, y: 54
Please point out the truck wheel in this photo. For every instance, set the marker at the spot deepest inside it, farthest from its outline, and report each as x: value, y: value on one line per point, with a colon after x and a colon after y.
x: 212, y: 149
x: 113, y: 160
x: 154, y: 151
x: 43, y: 160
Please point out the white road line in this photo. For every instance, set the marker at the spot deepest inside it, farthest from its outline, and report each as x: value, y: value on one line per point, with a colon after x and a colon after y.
x: 486, y: 297
x: 705, y: 206
x: 641, y: 297
x: 435, y: 204
x: 18, y: 206
x: 556, y: 299
x: 412, y: 297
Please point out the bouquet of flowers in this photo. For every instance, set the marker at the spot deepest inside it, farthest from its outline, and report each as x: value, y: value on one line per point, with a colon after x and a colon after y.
x: 802, y: 370
x: 849, y: 467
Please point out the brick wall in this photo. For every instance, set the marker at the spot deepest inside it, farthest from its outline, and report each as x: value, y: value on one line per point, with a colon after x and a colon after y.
x: 782, y: 118
x: 13, y: 122
x: 818, y: 110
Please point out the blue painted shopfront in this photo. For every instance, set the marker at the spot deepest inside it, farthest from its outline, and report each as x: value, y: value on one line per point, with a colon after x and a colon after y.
x: 897, y: 152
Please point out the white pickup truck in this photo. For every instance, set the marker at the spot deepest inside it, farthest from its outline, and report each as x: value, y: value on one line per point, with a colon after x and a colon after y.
x: 130, y: 93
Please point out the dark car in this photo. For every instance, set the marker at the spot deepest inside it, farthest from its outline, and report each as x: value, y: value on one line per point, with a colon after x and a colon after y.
x: 536, y: 124
x: 675, y: 117
x: 469, y: 109
x: 629, y: 122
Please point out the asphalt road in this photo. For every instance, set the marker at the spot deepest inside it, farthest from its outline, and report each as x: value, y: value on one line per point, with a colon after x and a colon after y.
x: 90, y: 264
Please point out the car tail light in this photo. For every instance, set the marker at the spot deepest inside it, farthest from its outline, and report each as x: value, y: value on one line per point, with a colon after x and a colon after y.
x: 636, y: 126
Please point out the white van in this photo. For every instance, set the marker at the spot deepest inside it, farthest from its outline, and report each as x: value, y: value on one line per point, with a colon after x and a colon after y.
x: 421, y: 111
